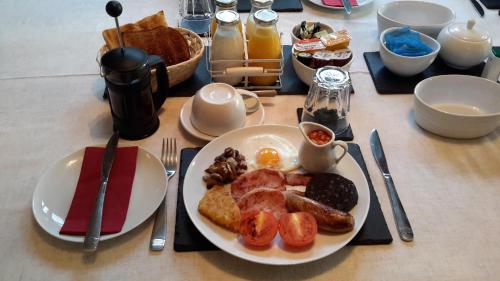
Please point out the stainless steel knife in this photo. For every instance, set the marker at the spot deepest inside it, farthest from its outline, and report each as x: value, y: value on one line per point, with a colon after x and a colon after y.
x: 347, y: 6
x: 402, y: 222
x: 478, y: 7
x: 94, y: 229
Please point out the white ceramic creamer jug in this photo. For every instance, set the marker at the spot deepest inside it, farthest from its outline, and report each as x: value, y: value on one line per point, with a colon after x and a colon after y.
x: 317, y: 152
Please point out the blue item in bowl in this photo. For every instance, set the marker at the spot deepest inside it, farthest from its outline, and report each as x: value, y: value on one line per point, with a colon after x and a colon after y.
x: 406, y: 42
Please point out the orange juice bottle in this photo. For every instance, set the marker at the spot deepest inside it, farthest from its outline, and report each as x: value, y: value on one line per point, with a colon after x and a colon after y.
x: 221, y: 5
x: 264, y: 43
x: 256, y: 5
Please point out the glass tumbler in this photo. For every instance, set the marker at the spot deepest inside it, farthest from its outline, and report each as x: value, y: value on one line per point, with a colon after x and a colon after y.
x: 328, y: 99
x: 195, y: 15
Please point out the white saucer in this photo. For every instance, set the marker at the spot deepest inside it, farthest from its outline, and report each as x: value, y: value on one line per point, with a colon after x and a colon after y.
x: 253, y: 119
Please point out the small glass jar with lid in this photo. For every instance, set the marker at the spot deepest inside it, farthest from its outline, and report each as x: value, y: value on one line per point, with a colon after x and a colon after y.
x: 256, y: 6
x: 227, y: 48
x: 221, y: 5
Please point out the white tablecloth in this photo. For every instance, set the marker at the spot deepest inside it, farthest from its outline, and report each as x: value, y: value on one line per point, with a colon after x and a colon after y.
x: 51, y: 106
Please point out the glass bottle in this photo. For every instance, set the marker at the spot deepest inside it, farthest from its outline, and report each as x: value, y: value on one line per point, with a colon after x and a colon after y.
x: 264, y: 43
x: 328, y: 100
x: 195, y: 15
x: 256, y: 6
x: 227, y: 44
x: 221, y: 5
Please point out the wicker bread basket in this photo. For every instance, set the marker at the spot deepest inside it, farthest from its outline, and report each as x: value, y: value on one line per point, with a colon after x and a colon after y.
x: 180, y: 72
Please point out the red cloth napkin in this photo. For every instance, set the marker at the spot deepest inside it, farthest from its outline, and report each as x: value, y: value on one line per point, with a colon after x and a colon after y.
x: 338, y: 3
x: 117, y: 192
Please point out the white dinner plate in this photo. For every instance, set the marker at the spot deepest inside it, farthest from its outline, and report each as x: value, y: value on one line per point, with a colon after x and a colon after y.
x: 252, y: 119
x: 360, y: 4
x: 55, y: 189
x: 325, y: 243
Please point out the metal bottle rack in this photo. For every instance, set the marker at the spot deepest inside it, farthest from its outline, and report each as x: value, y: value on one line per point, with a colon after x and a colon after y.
x: 246, y: 69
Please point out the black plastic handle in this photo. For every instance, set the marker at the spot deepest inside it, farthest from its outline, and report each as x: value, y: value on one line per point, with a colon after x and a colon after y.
x: 114, y: 8
x: 158, y: 64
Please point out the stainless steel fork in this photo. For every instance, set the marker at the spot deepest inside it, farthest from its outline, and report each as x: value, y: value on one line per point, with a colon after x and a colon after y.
x: 169, y: 160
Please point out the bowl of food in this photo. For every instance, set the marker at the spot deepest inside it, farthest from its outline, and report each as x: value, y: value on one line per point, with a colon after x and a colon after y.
x: 407, y: 64
x: 426, y: 17
x: 306, y: 72
x: 329, y: 50
x: 457, y: 106
x: 308, y: 30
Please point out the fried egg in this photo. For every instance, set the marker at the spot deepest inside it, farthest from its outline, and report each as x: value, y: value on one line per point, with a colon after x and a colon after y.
x: 270, y: 151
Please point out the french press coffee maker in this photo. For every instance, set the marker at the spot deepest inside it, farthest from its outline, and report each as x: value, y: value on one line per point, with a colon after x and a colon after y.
x: 127, y: 73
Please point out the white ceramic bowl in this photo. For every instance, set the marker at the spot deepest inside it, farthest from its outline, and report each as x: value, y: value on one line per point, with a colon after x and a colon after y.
x: 403, y: 65
x: 217, y: 108
x: 306, y: 74
x: 426, y: 17
x: 295, y: 31
x: 457, y: 106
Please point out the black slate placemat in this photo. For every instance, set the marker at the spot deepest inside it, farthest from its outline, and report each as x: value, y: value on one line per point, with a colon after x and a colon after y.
x: 345, y: 136
x: 187, y: 238
x: 244, y: 6
x: 387, y: 82
x: 290, y: 82
x: 491, y: 4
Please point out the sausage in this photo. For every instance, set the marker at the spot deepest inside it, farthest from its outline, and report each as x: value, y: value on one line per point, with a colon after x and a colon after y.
x: 328, y: 219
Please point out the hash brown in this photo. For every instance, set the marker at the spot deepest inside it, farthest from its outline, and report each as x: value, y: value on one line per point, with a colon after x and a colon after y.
x: 219, y: 206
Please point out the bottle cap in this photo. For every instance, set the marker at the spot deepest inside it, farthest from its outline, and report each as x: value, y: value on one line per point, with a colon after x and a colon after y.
x: 262, y: 4
x: 266, y: 17
x: 226, y: 4
x: 227, y: 18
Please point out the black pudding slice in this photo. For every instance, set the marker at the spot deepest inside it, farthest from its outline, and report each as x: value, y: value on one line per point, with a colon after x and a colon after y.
x: 332, y: 190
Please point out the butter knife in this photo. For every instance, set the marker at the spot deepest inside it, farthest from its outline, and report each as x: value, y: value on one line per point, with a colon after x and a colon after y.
x: 94, y: 229
x: 402, y: 222
x: 478, y: 7
x: 347, y: 6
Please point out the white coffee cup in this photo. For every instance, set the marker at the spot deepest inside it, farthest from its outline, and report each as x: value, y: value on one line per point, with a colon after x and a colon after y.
x: 219, y: 108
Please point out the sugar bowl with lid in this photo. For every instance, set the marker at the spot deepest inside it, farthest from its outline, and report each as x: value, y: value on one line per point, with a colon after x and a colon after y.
x: 464, y: 46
